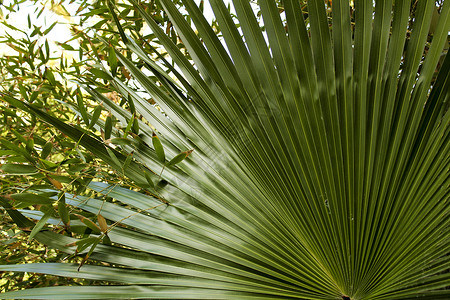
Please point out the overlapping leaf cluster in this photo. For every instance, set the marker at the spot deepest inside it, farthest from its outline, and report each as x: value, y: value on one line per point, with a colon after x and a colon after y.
x: 36, y: 157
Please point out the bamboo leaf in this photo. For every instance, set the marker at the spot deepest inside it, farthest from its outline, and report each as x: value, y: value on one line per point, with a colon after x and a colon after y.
x: 56, y: 183
x: 116, y: 20
x: 41, y: 223
x: 129, y: 126
x: 179, y: 158
x: 127, y: 162
x: 149, y: 180
x: 158, y: 148
x: 82, y: 107
x: 62, y: 209
x: 112, y: 60
x: 32, y: 198
x: 46, y: 150
x: 108, y: 127
x: 89, y: 223
x: 94, y: 244
x: 113, y: 156
x: 18, y: 169
x: 100, y: 74
x: 120, y: 141
x: 15, y: 215
x: 102, y: 223
x: 95, y: 116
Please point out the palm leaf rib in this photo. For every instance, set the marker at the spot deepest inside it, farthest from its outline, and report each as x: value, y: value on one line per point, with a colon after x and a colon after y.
x: 320, y: 168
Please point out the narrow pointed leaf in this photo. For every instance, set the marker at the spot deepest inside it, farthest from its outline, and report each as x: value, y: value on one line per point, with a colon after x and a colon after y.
x: 41, y: 223
x: 158, y: 148
x: 179, y: 158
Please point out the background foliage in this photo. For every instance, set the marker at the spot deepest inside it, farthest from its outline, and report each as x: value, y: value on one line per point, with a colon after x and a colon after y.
x: 33, y: 154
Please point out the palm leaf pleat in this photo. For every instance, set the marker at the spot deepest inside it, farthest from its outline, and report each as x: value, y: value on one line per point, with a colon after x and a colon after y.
x: 320, y: 167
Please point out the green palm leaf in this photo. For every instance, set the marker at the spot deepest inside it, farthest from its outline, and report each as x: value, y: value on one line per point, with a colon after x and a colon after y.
x: 320, y: 168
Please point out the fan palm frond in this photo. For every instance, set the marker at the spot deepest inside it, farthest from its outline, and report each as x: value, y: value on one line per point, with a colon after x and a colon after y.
x: 320, y: 162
